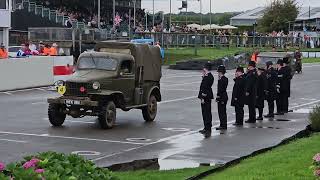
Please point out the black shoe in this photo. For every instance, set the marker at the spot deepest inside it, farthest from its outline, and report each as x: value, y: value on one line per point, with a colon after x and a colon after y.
x: 279, y: 113
x: 269, y: 116
x: 221, y: 128
x: 249, y: 121
x: 207, y: 134
x: 259, y: 118
x: 202, y: 131
x: 237, y: 124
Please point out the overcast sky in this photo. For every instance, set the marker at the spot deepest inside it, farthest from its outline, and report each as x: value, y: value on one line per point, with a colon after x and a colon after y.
x: 217, y: 5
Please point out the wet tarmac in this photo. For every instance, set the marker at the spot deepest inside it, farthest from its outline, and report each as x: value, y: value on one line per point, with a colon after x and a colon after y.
x: 172, y: 141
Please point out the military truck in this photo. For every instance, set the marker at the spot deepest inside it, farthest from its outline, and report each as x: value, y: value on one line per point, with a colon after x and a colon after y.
x: 274, y: 57
x: 116, y: 75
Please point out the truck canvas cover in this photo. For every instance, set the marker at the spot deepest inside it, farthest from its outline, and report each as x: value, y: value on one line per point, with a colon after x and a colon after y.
x: 147, y: 56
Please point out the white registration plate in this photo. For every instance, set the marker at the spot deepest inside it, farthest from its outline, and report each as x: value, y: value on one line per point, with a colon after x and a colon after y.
x: 72, y: 102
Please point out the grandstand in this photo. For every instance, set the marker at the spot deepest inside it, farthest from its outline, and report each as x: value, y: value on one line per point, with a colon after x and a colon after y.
x: 81, y: 13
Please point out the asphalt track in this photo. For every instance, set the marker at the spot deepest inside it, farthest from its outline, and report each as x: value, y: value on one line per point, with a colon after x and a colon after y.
x: 172, y: 138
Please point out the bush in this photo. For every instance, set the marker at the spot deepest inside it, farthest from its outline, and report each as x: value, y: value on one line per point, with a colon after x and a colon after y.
x: 314, y: 118
x: 54, y: 166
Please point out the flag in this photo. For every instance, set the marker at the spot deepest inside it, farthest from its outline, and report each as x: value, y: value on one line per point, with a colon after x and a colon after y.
x: 184, y: 4
x: 117, y: 20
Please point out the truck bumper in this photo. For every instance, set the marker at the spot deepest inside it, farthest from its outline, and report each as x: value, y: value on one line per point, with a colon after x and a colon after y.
x: 73, y: 101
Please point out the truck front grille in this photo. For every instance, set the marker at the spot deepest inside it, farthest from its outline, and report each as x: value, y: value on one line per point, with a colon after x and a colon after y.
x: 73, y: 89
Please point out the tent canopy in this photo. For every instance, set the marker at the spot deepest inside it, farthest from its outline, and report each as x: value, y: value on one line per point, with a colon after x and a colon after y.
x: 228, y: 27
x: 212, y: 26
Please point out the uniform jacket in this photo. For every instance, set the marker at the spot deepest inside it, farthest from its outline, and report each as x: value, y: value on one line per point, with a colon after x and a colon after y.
x: 271, y: 89
x: 222, y: 95
x: 251, y: 87
x: 206, y: 92
x: 284, y: 80
x: 238, y: 94
x: 261, y: 89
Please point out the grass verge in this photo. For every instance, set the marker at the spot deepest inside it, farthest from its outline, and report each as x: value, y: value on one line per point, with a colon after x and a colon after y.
x: 311, y: 60
x: 291, y: 161
x: 160, y: 175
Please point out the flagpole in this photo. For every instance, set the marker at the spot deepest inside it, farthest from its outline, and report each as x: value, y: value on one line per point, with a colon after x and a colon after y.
x: 134, y: 14
x: 153, y: 14
x: 210, y: 15
x: 201, y: 15
x: 99, y: 14
x: 114, y: 11
x: 170, y: 16
x: 187, y: 13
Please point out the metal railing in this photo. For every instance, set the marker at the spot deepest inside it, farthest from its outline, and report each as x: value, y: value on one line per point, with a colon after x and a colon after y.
x: 185, y: 40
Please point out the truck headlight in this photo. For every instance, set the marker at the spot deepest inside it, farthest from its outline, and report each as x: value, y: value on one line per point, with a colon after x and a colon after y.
x: 96, y: 85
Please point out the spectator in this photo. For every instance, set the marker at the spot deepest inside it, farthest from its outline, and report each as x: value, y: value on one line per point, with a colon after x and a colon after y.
x: 41, y: 47
x: 24, y: 50
x: 53, y: 50
x: 3, y: 52
x: 68, y: 22
x: 46, y: 50
x: 32, y: 46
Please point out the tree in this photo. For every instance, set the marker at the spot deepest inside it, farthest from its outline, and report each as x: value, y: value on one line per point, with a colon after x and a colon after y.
x: 278, y: 16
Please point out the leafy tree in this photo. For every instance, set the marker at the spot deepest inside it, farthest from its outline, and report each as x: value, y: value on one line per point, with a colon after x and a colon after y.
x: 278, y: 16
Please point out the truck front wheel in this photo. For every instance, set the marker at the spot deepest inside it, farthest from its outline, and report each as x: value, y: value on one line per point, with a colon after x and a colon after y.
x: 107, y: 116
x: 56, y: 114
x: 150, y: 111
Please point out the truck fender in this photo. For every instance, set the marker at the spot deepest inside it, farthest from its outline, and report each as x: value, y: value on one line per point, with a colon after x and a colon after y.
x: 155, y: 91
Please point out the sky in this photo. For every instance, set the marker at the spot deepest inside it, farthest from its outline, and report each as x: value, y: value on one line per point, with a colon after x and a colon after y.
x: 217, y: 5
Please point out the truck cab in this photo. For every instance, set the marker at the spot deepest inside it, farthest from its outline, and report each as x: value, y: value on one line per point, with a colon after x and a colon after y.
x: 115, y: 76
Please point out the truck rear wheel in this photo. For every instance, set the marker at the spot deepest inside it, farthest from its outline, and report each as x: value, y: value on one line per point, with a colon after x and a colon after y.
x: 107, y: 116
x: 150, y: 111
x: 56, y: 115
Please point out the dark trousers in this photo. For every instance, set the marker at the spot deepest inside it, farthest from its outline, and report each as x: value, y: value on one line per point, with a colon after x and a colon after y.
x: 260, y: 112
x: 282, y: 103
x: 271, y: 107
x: 207, y: 115
x: 252, y: 113
x: 222, y: 111
x: 239, y: 114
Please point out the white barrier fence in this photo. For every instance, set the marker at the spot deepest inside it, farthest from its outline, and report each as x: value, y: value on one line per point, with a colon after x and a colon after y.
x: 34, y: 71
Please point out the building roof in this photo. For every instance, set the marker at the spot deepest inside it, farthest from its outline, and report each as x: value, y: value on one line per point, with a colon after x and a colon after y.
x: 257, y: 13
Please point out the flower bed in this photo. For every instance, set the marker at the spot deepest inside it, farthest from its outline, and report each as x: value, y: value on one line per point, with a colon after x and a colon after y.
x: 53, y: 166
x: 316, y: 165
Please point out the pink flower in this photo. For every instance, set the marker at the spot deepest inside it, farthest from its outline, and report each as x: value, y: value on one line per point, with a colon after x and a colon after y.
x: 316, y: 158
x: 317, y: 172
x: 39, y: 171
x: 2, y: 166
x: 31, y: 163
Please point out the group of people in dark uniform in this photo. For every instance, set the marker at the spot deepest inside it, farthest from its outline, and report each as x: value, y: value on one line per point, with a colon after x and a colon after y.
x: 252, y: 88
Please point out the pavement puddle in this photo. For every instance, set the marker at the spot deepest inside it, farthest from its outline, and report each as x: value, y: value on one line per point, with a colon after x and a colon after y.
x: 156, y: 164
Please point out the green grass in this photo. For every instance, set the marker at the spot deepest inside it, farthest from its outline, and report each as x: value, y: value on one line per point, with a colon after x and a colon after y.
x: 174, y: 55
x: 311, y: 60
x: 290, y: 161
x: 160, y: 175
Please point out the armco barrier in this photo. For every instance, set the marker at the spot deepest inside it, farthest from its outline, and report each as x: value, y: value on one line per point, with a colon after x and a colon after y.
x: 30, y: 72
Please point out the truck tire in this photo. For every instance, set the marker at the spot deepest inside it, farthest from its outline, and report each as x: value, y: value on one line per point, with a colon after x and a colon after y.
x: 56, y: 115
x: 107, y: 116
x: 150, y: 111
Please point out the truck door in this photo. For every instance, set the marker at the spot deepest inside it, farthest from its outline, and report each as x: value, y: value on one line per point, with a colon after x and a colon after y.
x: 127, y: 80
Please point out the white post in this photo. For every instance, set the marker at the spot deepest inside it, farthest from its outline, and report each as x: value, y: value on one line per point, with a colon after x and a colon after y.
x: 146, y: 20
x: 187, y: 13
x: 201, y: 14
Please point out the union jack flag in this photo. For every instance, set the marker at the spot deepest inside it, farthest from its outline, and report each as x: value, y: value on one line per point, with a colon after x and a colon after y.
x: 117, y: 20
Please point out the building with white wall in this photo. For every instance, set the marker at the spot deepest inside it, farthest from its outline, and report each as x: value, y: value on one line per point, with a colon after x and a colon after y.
x: 5, y: 21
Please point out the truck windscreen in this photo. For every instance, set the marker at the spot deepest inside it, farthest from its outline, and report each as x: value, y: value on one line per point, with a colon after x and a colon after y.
x: 97, y: 63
